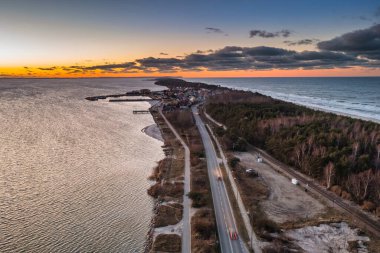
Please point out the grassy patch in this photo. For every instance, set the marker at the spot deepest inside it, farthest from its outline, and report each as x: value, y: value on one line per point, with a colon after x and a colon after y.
x: 199, y: 199
x: 204, y: 231
x: 167, y: 243
x: 203, y: 223
x: 169, y: 214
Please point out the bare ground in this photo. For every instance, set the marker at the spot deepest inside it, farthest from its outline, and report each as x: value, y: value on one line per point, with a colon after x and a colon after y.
x: 334, y: 237
x: 286, y: 202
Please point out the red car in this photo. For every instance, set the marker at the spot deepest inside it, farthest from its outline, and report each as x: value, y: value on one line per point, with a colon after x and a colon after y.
x: 233, y: 234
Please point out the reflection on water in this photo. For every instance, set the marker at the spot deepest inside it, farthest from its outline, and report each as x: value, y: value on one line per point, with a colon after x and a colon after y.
x: 72, y: 177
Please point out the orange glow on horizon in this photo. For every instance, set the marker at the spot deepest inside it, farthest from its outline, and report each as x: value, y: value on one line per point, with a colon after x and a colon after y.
x: 30, y: 72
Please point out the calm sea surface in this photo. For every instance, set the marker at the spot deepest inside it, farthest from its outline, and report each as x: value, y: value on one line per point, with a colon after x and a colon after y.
x: 73, y: 173
x: 359, y: 96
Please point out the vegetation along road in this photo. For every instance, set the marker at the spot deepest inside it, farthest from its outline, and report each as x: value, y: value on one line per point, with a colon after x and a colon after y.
x: 186, y: 229
x: 227, y: 229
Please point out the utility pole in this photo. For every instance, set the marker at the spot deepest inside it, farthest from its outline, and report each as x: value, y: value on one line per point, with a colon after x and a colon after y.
x: 251, y: 228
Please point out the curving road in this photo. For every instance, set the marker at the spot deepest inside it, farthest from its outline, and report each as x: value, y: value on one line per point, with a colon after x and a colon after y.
x: 225, y: 220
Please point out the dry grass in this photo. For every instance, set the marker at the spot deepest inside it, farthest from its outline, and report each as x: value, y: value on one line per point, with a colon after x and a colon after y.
x: 172, y: 190
x: 374, y: 245
x: 168, y: 214
x: 172, y: 167
x: 167, y: 243
x: 168, y: 175
x: 204, y: 231
x: 203, y: 222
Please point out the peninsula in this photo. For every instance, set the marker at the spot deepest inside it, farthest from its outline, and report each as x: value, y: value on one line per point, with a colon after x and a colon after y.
x: 264, y: 173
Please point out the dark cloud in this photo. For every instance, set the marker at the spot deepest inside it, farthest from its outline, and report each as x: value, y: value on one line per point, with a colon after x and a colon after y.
x: 48, y: 69
x: 300, y: 42
x: 162, y: 53
x: 358, y: 48
x: 160, y: 64
x: 109, y: 66
x: 204, y: 51
x: 265, y: 34
x: 362, y: 43
x: 213, y: 30
x: 233, y: 58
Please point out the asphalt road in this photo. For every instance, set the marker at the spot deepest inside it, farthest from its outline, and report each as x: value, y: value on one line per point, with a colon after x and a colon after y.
x: 225, y: 220
x: 186, y: 228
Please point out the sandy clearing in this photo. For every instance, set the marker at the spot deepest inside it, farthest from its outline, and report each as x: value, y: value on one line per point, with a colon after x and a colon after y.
x: 334, y: 237
x: 171, y: 229
x: 286, y: 202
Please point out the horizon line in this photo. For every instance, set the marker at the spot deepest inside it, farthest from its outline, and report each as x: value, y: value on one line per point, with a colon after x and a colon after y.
x: 179, y: 77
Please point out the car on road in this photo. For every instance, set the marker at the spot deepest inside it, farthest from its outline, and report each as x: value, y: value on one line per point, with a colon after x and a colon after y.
x: 233, y: 234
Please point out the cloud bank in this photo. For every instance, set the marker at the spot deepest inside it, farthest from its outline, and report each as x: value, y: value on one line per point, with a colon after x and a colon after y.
x: 300, y: 42
x: 357, y: 48
x: 363, y: 43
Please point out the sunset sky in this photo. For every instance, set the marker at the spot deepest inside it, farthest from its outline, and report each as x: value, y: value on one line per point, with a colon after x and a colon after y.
x: 248, y: 38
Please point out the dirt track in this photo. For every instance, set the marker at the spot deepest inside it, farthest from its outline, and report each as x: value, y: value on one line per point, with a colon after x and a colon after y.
x: 286, y: 202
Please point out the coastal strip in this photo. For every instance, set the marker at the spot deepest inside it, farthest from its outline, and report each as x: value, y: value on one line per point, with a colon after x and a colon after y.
x: 186, y: 226
x: 168, y: 191
x: 250, y: 126
x: 276, y: 118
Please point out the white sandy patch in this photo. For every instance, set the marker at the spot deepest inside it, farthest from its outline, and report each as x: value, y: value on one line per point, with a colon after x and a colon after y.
x: 193, y: 211
x: 171, y: 229
x: 332, y: 237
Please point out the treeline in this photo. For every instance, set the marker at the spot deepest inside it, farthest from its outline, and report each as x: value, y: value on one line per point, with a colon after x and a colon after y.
x: 336, y: 150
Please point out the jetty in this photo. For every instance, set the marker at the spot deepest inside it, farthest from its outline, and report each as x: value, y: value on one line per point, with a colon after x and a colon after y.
x: 132, y: 100
x: 140, y: 111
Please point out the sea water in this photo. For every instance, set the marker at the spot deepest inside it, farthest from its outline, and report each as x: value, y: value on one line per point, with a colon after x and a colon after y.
x: 354, y: 96
x: 73, y: 173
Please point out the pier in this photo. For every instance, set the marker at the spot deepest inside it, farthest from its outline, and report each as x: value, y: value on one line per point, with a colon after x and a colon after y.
x: 140, y: 111
x: 131, y: 100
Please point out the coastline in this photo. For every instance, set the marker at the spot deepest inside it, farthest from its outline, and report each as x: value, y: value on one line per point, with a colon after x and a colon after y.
x: 167, y: 184
x: 166, y: 190
x: 309, y: 106
x: 153, y: 131
x: 316, y: 108
x: 352, y: 103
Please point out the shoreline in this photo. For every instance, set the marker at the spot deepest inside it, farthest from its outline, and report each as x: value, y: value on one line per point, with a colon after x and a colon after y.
x: 163, y: 201
x: 316, y: 108
x: 153, y: 131
x: 166, y: 220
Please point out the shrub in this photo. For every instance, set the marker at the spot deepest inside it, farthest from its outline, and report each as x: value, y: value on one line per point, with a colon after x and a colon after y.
x: 204, y: 228
x: 199, y: 199
x: 233, y: 162
x: 368, y: 206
